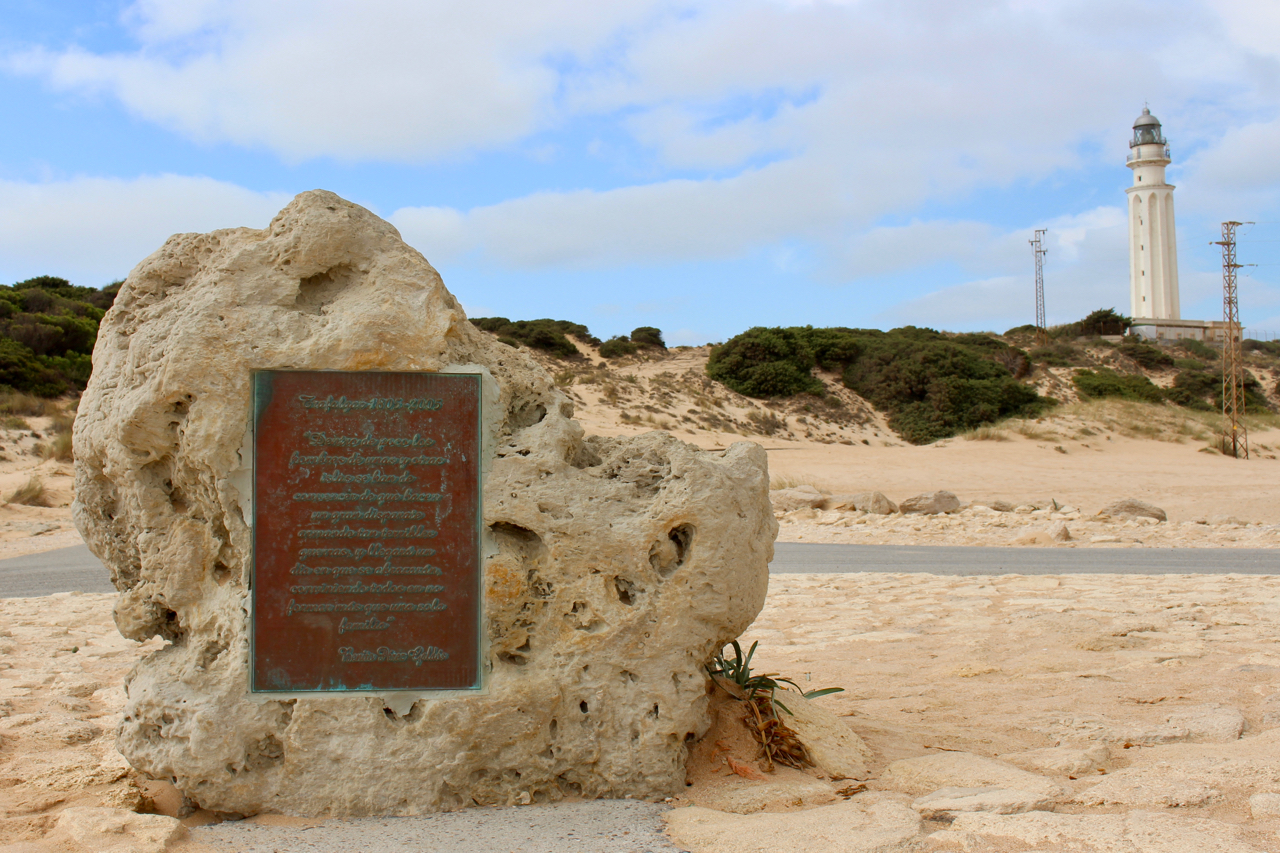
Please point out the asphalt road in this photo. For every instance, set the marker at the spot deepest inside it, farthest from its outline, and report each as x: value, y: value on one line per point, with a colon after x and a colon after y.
x: 943, y: 560
x: 76, y: 570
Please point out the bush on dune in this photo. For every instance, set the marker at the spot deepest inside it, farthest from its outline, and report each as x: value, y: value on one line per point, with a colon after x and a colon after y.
x: 931, y: 385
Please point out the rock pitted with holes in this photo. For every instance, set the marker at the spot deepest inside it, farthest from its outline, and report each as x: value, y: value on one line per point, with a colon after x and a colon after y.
x: 616, y: 567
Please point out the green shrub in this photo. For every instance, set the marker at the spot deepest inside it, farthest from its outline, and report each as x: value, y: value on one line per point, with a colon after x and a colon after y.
x: 1148, y: 356
x: 1104, y: 321
x: 1108, y: 383
x: 1268, y: 347
x: 1201, y: 390
x: 931, y: 385
x: 1057, y: 354
x: 545, y: 334
x: 766, y: 362
x: 617, y: 347
x: 1199, y: 349
x: 648, y: 336
x: 1196, y: 389
x: 48, y: 327
x: 934, y: 388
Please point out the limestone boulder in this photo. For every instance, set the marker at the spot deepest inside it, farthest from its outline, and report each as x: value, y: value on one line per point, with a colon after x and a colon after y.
x: 800, y: 497
x: 614, y: 568
x: 1063, y: 760
x: 1134, y: 508
x: 931, y: 503
x: 946, y: 803
x: 872, y: 502
x: 82, y: 829
x: 929, y: 773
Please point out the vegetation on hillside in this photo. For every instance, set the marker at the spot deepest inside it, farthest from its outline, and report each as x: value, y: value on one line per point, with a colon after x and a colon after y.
x: 930, y: 384
x: 641, y: 337
x: 549, y: 335
x: 48, y: 327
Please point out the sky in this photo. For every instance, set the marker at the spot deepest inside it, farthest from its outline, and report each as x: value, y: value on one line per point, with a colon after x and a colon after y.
x: 696, y: 165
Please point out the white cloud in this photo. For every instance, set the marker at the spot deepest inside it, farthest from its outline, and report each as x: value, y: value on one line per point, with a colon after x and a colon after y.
x: 400, y: 81
x: 94, y: 230
x: 778, y: 129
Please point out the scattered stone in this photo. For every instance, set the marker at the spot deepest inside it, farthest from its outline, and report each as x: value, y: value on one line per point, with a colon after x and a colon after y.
x: 615, y: 566
x: 800, y: 497
x: 1145, y: 786
x: 1134, y: 508
x: 866, y: 823
x: 946, y: 803
x: 1059, y: 533
x: 964, y: 770
x: 931, y: 503
x: 1209, y: 723
x: 98, y: 830
x: 872, y: 502
x: 834, y: 748
x: 784, y: 789
x: 1063, y: 760
x: 1264, y: 805
x: 1135, y: 832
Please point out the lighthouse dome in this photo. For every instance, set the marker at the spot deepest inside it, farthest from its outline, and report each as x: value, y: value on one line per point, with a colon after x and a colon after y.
x: 1146, y: 130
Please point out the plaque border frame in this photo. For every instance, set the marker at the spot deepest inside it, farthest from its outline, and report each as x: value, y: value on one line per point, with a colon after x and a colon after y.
x: 398, y: 700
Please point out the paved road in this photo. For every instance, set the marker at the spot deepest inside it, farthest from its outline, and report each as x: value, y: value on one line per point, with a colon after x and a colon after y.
x: 943, y: 560
x: 71, y: 569
x: 76, y: 570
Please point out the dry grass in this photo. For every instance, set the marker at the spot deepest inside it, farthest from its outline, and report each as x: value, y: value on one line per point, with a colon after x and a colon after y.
x: 1033, y: 431
x: 1132, y: 419
x: 30, y: 493
x: 17, y: 403
x: 786, y: 481
x: 14, y: 422
x: 58, y: 449
x: 986, y: 433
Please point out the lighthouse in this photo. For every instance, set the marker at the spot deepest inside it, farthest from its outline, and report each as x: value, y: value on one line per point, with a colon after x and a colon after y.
x: 1153, y: 251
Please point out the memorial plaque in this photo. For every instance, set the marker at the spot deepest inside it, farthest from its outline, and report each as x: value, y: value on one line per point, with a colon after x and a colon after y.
x: 366, y: 531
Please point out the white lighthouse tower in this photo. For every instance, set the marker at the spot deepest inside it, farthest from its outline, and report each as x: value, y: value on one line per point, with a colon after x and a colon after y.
x: 1153, y: 251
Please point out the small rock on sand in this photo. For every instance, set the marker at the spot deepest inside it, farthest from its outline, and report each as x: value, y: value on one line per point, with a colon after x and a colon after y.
x: 929, y: 773
x: 1063, y: 760
x: 98, y: 830
x: 868, y: 823
x: 946, y: 803
x: 800, y: 497
x: 1134, y: 508
x: 931, y: 503
x: 1264, y: 805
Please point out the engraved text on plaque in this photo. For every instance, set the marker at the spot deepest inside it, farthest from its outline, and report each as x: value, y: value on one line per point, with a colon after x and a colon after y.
x: 366, y: 531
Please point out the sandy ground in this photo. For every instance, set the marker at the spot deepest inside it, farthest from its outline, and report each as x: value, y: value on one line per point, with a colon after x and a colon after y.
x: 1159, y: 695
x: 1162, y: 690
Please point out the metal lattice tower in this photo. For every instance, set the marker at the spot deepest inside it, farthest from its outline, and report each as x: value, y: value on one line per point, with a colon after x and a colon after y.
x: 1235, y: 438
x: 1042, y: 332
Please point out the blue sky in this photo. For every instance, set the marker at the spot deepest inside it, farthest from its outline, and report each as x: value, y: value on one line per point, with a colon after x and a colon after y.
x: 698, y: 166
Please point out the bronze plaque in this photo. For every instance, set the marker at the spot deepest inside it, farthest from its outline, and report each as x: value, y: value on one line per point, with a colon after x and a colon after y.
x: 366, y: 531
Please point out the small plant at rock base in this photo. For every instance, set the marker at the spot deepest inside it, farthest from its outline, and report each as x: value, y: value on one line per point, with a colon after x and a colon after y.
x: 759, y: 692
